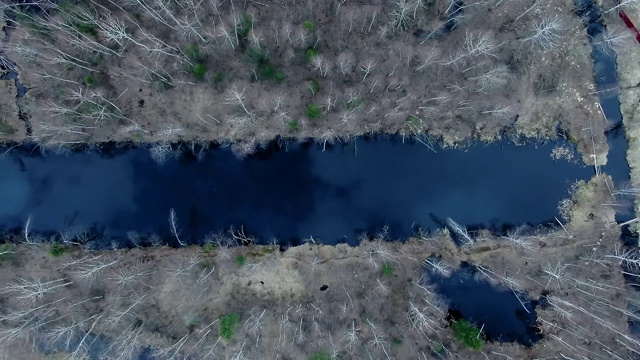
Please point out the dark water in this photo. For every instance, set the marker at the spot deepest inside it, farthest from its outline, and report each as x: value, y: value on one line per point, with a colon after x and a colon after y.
x: 504, y: 317
x: 606, y: 81
x: 290, y: 195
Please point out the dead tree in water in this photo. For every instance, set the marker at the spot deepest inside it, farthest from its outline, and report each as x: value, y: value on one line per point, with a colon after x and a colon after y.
x: 460, y: 232
x: 173, y: 224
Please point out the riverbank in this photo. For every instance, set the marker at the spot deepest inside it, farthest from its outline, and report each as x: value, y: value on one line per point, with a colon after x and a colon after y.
x: 374, y: 299
x: 629, y: 82
x: 328, y: 72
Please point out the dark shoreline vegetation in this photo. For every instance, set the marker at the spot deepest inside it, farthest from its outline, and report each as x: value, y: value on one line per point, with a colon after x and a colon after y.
x: 183, y: 100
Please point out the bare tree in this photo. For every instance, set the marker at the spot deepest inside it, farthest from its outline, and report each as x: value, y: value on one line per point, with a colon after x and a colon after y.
x: 128, y: 276
x: 173, y: 225
x: 321, y: 65
x: 518, y: 239
x: 253, y: 325
x: 31, y: 291
x: 547, y: 33
x: 160, y: 152
x: 475, y: 44
x: 235, y: 96
x: 459, y: 231
x: 403, y: 11
x: 555, y: 273
x: 492, y: 79
x: 367, y: 67
x: 624, y: 3
x: 437, y: 266
x: 615, y: 38
x: 501, y: 111
x: 90, y: 269
x: 420, y: 319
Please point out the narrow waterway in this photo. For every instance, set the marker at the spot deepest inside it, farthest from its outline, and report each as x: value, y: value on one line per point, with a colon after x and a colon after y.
x: 289, y: 195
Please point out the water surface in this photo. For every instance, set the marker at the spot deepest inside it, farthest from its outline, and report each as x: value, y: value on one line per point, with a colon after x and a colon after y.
x: 294, y: 194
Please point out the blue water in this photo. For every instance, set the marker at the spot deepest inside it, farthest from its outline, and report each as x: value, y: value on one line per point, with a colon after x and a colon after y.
x: 332, y: 195
x: 498, y: 312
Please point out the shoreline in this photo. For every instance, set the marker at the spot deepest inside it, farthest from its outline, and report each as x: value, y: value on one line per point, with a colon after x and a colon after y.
x: 629, y: 79
x: 304, y: 300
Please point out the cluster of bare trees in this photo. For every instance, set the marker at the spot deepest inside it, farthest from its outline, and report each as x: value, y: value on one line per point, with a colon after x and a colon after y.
x: 92, y: 56
x: 173, y: 301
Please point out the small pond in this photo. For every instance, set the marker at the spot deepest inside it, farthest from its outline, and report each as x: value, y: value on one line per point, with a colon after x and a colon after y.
x: 503, y: 315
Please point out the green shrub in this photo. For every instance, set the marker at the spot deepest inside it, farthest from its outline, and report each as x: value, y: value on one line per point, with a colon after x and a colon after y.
x: 438, y: 347
x: 387, y: 270
x: 320, y: 355
x: 6, y: 129
x: 355, y: 103
x: 218, y: 77
x: 310, y: 54
x: 137, y: 137
x: 80, y: 17
x: 468, y: 334
x: 244, y: 26
x: 229, y: 325
x: 193, y: 52
x: 314, y: 111
x: 258, y: 56
x: 89, y: 80
x: 309, y: 25
x: 56, y: 249
x: 413, y: 120
x: 280, y: 78
x: 314, y: 86
x: 293, y: 125
x: 6, y: 252
x: 207, y: 248
x: 268, y: 72
x: 241, y: 260
x: 85, y: 27
x: 199, y: 70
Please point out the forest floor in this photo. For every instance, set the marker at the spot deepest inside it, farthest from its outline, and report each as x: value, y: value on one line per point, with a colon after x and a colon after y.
x: 248, y: 72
